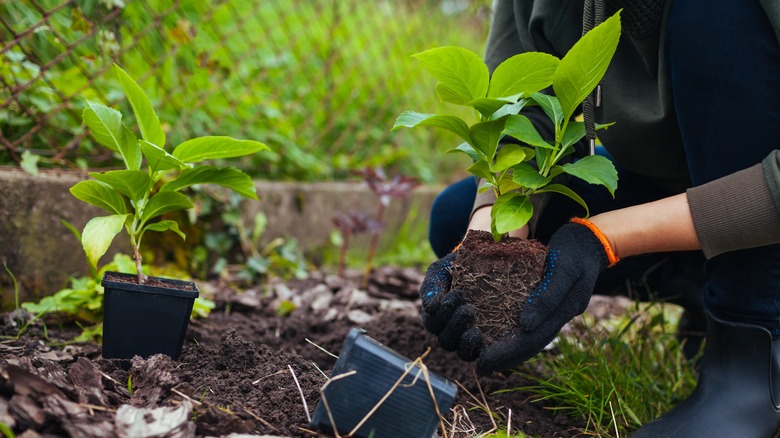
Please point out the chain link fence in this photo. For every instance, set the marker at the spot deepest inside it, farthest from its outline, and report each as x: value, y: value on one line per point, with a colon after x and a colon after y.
x: 320, y: 81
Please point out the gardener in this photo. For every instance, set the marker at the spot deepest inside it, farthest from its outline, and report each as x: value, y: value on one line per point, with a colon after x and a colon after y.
x: 694, y: 91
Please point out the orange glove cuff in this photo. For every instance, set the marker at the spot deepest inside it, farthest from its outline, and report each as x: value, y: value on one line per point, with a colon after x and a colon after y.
x: 611, y: 256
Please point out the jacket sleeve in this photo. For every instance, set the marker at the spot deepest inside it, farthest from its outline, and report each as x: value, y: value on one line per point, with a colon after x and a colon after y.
x: 738, y: 211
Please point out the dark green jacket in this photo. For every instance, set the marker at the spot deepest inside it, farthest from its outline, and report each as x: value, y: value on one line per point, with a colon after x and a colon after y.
x: 645, y: 137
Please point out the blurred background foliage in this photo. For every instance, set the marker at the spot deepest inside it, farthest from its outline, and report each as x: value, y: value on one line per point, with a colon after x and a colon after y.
x: 320, y: 81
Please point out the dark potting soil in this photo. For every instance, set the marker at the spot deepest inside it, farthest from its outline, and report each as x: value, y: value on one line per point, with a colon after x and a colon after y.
x: 151, y: 281
x: 240, y: 369
x: 498, y: 276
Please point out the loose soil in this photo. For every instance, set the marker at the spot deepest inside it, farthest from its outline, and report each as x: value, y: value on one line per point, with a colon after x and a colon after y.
x: 498, y: 277
x: 238, y: 369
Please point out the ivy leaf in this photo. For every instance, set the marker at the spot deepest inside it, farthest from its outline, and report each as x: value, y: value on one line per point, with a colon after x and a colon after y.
x: 523, y: 74
x: 410, y: 119
x: 213, y: 147
x: 462, y: 75
x: 148, y: 123
x: 511, y: 211
x: 594, y: 169
x: 585, y: 64
x: 229, y: 177
x: 98, y: 235
x: 99, y: 195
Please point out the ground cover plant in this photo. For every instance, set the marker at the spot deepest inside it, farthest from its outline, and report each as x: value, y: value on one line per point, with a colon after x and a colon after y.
x: 519, y: 170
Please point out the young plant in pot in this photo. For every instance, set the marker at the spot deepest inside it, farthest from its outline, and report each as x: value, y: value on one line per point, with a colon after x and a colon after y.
x: 498, y: 271
x: 148, y: 315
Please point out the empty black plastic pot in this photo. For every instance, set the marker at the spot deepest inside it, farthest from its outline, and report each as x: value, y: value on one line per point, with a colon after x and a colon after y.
x: 365, y: 372
x: 145, y: 319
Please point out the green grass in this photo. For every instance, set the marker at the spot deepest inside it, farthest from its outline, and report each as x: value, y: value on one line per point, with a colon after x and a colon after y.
x: 617, y: 376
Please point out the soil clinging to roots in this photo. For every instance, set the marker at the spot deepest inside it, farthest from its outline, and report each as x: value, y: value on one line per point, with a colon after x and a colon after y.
x: 498, y: 277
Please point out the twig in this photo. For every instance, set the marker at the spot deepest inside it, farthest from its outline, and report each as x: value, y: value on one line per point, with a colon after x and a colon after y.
x: 422, y: 369
x: 326, y: 351
x: 185, y: 396
x: 270, y: 375
x: 325, y: 400
x: 300, y: 391
x: 256, y: 417
x: 318, y: 369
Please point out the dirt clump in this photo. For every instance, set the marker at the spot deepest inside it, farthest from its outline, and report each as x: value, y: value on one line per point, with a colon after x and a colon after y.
x: 498, y: 277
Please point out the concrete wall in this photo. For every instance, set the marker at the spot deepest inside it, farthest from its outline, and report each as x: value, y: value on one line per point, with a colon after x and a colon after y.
x: 42, y: 253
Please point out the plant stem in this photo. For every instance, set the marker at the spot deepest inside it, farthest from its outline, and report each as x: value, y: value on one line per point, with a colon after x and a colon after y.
x: 138, y: 265
x: 343, y: 254
x: 380, y: 214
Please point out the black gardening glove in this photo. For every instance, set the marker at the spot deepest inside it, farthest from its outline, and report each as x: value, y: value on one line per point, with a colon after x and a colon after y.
x: 575, y: 258
x: 446, y: 313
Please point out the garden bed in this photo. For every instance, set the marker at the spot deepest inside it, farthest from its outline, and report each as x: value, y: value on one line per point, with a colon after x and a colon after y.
x: 238, y: 369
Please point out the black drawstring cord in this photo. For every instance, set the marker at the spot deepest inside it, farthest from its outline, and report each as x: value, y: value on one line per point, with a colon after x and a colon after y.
x: 592, y: 16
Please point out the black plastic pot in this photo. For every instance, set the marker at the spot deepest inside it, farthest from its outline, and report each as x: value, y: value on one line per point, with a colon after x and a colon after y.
x: 145, y: 319
x: 409, y: 410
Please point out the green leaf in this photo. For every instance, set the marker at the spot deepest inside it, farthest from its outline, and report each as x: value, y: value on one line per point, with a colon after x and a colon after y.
x: 509, y: 110
x: 30, y: 162
x: 523, y: 74
x: 164, y: 202
x: 210, y: 148
x: 99, y: 195
x: 229, y: 177
x: 489, y: 106
x: 134, y: 184
x: 563, y: 190
x: 511, y: 211
x: 528, y: 177
x: 486, y: 135
x: 159, y: 160
x: 575, y: 131
x: 410, y: 119
x: 480, y: 169
x: 462, y: 74
x: 148, y: 123
x: 594, y: 169
x: 585, y: 64
x: 468, y: 150
x: 506, y: 184
x: 98, y: 235
x: 551, y: 106
x: 521, y: 128
x: 165, y: 226
x: 106, y: 127
x: 509, y: 155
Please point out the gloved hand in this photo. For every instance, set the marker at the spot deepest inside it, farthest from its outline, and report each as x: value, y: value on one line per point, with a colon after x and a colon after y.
x: 577, y: 253
x: 446, y: 313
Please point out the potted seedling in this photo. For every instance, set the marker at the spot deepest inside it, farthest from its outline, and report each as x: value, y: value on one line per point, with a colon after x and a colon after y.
x: 148, y: 315
x: 497, y: 270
